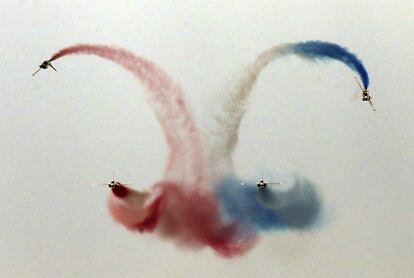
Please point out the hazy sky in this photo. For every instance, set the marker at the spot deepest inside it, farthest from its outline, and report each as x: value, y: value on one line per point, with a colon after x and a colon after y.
x: 64, y: 131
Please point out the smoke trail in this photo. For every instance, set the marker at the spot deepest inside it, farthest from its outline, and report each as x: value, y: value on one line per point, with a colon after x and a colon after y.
x: 230, y: 113
x: 268, y: 209
x: 186, y: 161
x: 190, y: 217
x: 181, y: 207
x: 325, y: 50
x: 195, y: 219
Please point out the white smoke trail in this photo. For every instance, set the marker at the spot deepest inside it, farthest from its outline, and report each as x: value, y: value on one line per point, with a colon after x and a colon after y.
x: 223, y: 131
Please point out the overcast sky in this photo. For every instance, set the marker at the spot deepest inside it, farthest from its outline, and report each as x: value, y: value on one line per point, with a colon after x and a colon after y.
x: 61, y: 132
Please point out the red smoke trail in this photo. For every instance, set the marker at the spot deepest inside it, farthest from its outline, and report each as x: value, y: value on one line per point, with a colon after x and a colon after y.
x: 169, y: 105
x: 190, y: 217
x: 193, y: 218
x: 180, y: 207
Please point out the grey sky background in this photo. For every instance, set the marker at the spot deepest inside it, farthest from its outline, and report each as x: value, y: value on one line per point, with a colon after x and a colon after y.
x: 64, y: 131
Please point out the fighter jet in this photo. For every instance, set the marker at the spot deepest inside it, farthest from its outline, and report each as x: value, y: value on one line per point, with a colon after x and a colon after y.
x: 112, y: 184
x: 365, y: 94
x: 262, y: 183
x: 45, y: 65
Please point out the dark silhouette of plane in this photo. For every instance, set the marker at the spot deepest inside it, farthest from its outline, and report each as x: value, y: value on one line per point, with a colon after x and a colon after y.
x: 45, y: 65
x: 365, y: 94
x: 262, y: 183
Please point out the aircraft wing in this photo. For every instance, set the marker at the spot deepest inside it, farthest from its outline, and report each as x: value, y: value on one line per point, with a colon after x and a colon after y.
x: 372, y: 105
x: 52, y: 67
x: 359, y: 84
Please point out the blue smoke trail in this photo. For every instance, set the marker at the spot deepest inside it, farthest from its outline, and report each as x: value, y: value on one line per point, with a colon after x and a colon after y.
x: 266, y: 209
x: 325, y: 50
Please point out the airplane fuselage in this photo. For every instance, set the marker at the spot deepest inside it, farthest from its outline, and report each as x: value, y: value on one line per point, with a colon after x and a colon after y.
x: 113, y: 184
x: 44, y: 65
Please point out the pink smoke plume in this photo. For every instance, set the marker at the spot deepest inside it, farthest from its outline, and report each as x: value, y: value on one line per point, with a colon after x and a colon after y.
x: 168, y: 103
x: 181, y: 207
